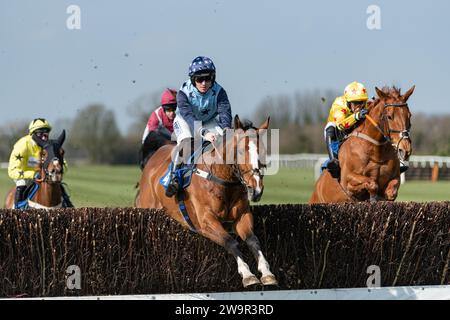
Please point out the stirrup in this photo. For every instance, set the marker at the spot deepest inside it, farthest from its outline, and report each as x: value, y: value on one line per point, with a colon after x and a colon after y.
x: 333, y: 165
x: 172, y: 189
x: 334, y: 169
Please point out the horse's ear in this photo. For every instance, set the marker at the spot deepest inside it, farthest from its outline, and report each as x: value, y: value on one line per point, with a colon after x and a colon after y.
x: 380, y: 93
x: 61, y: 138
x: 265, y: 125
x: 408, y: 93
x: 237, y: 122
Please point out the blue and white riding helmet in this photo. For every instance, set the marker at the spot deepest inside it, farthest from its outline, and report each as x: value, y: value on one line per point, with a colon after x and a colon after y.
x: 202, y: 65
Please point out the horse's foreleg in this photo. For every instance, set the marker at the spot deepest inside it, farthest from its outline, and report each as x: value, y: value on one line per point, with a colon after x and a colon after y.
x: 213, y: 230
x: 391, y: 191
x: 244, y: 228
x: 357, y: 183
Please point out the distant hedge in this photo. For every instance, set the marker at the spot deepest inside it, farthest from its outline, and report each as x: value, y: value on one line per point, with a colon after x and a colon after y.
x: 137, y: 251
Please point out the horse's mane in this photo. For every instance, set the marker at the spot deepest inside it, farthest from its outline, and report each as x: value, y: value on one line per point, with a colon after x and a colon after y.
x: 392, y: 91
x: 246, y: 125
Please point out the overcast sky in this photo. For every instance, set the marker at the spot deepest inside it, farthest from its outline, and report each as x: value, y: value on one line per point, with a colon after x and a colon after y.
x: 126, y: 49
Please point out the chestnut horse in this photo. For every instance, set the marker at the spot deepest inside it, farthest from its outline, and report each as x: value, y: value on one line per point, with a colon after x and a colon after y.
x: 51, y: 171
x: 219, y: 192
x: 369, y: 157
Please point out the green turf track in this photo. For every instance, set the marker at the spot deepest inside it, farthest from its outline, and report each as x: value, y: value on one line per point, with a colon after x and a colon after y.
x: 113, y: 186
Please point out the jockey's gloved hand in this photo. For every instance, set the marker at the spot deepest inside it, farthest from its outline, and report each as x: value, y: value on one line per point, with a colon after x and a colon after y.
x: 361, y: 114
x: 211, y: 137
x: 37, y: 176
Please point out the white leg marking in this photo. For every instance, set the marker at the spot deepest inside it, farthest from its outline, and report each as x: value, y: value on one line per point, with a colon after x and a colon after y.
x: 243, y: 268
x: 263, y: 265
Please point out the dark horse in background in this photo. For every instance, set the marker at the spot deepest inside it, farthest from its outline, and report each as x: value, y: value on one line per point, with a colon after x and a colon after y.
x: 224, y: 197
x: 369, y: 157
x: 51, y: 169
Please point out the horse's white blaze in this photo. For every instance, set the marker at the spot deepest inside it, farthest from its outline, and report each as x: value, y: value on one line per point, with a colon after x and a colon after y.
x: 253, y: 150
x: 258, y: 186
x: 243, y: 268
x: 263, y: 265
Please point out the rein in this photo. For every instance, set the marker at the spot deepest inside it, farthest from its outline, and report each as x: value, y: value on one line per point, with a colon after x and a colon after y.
x: 210, y: 177
x: 404, y: 134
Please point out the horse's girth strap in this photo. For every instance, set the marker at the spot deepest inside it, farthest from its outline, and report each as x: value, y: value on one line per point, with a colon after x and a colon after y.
x: 185, y: 214
x: 367, y: 138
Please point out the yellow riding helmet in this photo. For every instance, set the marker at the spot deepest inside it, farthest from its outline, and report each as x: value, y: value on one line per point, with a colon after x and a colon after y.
x: 355, y: 91
x: 37, y: 124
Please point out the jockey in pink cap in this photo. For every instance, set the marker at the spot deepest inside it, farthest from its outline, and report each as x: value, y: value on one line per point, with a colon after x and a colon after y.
x: 159, y: 126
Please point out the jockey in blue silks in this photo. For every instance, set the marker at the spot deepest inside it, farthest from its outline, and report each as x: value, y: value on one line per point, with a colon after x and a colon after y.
x: 203, y: 110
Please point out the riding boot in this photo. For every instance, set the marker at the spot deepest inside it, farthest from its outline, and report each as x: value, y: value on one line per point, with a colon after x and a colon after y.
x: 333, y: 164
x: 172, y: 187
x: 19, y: 196
x: 183, y: 152
x: 66, y: 203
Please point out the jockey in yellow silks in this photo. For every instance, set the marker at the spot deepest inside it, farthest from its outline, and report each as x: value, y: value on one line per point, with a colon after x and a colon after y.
x: 345, y: 112
x: 25, y: 157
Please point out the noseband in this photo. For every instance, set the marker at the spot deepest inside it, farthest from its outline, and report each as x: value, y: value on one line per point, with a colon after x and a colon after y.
x: 45, y: 163
x: 240, y: 175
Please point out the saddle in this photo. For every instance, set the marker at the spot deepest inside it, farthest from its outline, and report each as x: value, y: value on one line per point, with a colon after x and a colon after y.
x: 184, y: 173
x: 30, y: 192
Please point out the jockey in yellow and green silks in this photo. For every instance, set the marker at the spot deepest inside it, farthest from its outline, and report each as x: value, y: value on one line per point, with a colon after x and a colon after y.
x: 345, y: 112
x: 25, y: 157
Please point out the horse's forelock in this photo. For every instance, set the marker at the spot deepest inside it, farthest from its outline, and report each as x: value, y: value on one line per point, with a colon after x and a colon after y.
x: 52, y: 147
x: 392, y: 91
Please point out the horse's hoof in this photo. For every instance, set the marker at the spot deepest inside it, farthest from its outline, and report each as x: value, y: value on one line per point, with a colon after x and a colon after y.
x: 250, y: 281
x: 373, y: 199
x: 269, y: 280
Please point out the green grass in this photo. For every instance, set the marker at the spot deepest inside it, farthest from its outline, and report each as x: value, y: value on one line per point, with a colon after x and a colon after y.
x: 288, y: 186
x: 420, y: 191
x: 114, y: 186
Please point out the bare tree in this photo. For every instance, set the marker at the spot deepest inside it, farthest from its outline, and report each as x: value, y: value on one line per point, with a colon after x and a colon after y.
x: 300, y: 118
x: 140, y: 110
x: 95, y: 132
x: 9, y: 134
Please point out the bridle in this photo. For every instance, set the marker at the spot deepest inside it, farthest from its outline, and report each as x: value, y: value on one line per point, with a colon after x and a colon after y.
x: 405, y: 133
x: 240, y: 175
x: 386, y: 130
x: 44, y: 163
x: 237, y: 173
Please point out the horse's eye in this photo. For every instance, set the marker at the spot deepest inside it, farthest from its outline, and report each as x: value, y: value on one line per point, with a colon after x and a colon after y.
x: 390, y: 117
